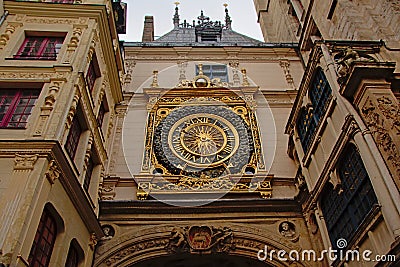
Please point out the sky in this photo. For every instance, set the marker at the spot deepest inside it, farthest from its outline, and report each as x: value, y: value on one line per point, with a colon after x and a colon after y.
x: 242, y: 12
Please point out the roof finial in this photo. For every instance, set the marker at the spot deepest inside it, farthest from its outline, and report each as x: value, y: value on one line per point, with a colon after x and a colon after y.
x: 176, y: 16
x: 228, y: 21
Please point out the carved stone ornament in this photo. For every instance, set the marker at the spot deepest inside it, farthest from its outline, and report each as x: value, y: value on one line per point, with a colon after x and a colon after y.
x: 108, y: 231
x: 25, y: 162
x: 201, y: 240
x: 107, y: 191
x: 53, y: 172
x: 92, y: 241
x: 346, y: 59
x: 383, y: 122
x: 288, y: 230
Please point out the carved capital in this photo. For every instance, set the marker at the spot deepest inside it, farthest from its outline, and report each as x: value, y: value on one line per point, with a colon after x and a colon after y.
x: 25, y: 162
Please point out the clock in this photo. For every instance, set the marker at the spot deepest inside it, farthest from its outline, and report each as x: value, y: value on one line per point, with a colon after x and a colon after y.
x: 202, y: 140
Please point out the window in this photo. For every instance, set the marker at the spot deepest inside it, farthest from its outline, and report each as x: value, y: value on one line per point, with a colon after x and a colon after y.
x: 309, y: 119
x: 215, y: 71
x: 43, y: 243
x: 347, y: 206
x: 37, y: 47
x: 88, y: 174
x: 73, y: 137
x: 93, y: 73
x: 72, y: 258
x: 102, y: 112
x: 320, y: 92
x: 16, y: 106
x: 306, y: 127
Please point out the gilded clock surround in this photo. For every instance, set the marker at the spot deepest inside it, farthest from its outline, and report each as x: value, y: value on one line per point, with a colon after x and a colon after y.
x: 195, y: 142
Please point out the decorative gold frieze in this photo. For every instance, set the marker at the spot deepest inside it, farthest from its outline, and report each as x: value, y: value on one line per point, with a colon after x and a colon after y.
x: 53, y: 172
x: 25, y: 161
x: 205, y: 185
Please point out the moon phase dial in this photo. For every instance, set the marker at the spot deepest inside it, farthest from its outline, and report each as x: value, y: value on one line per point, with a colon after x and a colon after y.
x: 202, y: 140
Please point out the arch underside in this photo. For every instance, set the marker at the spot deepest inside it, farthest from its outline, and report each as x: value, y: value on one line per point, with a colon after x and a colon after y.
x: 151, y: 247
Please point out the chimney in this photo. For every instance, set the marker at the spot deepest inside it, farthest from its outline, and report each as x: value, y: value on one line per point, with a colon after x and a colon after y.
x: 148, y: 29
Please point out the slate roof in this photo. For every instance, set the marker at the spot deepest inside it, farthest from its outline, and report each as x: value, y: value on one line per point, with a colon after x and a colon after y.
x: 187, y: 35
x: 195, y: 34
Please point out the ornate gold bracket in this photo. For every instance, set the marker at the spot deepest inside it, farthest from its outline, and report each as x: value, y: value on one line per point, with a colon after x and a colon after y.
x: 187, y: 185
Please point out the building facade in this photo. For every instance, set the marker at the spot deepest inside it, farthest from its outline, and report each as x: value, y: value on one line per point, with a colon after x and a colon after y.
x: 203, y: 147
x: 60, y: 69
x: 343, y: 125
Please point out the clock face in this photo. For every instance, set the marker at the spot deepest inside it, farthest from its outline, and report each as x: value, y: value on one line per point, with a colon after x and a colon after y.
x: 203, y: 140
x: 209, y: 140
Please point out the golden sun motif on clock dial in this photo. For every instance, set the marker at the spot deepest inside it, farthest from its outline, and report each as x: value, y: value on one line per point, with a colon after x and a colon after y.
x: 203, y: 140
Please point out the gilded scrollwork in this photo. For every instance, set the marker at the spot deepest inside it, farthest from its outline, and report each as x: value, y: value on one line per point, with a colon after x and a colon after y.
x: 205, y: 184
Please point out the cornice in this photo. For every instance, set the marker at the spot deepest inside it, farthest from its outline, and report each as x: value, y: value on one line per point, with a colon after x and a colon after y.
x: 228, y: 205
x: 199, y: 53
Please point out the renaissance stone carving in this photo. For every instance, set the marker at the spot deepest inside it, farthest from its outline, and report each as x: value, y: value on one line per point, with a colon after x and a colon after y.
x: 92, y: 241
x: 25, y: 162
x: 201, y: 239
x: 108, y: 231
x: 346, y: 59
x: 10, y: 29
x: 53, y: 172
x: 285, y: 65
x: 379, y: 118
x: 288, y: 230
x: 107, y: 191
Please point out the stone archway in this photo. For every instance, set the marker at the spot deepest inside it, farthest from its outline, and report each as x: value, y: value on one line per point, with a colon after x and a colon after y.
x: 159, y: 245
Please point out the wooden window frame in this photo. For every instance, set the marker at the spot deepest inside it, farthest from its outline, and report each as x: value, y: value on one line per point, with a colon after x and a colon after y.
x: 16, y: 106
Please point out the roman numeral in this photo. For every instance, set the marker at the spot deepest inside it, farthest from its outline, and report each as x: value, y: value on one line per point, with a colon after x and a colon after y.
x: 205, y: 160
x: 228, y: 148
